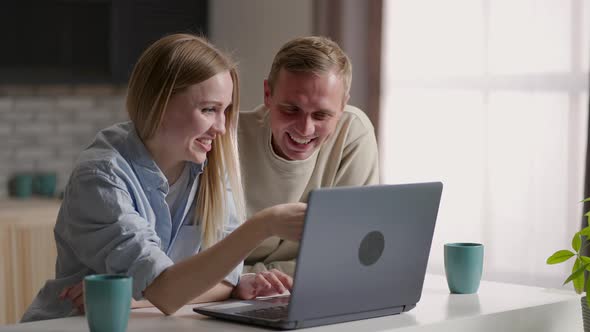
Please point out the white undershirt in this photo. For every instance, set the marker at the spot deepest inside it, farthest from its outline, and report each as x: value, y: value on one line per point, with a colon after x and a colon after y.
x: 177, y: 189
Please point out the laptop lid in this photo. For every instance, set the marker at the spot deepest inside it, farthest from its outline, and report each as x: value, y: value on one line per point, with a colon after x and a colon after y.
x: 363, y: 254
x: 364, y: 249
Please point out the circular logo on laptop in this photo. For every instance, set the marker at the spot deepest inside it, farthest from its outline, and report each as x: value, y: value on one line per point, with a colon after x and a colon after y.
x: 371, y: 248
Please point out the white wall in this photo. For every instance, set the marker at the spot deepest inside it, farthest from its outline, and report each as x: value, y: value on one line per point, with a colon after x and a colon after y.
x: 253, y: 31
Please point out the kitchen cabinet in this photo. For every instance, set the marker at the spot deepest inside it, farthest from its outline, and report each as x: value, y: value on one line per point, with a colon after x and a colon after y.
x: 27, y: 253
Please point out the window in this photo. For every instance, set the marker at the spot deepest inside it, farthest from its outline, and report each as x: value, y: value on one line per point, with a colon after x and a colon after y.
x: 491, y: 98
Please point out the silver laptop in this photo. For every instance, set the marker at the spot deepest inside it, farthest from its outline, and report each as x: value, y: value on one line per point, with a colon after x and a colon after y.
x: 363, y: 254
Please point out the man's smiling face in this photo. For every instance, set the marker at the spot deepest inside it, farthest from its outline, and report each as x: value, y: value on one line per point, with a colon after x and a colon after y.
x: 304, y: 110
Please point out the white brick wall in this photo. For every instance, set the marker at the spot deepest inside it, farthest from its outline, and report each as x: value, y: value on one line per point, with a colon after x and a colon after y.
x: 34, y: 103
x: 34, y: 129
x: 75, y: 103
x: 6, y: 104
x: 16, y: 116
x: 33, y: 154
x: 44, y: 128
x: 74, y: 128
x: 5, y: 129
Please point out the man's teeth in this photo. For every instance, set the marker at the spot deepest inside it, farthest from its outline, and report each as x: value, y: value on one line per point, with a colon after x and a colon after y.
x: 300, y: 140
x: 205, y: 141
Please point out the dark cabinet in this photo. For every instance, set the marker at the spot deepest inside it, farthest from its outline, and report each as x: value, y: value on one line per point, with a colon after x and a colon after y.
x: 86, y: 41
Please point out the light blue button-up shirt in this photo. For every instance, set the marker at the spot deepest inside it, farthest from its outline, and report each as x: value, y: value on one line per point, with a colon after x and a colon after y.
x: 114, y: 219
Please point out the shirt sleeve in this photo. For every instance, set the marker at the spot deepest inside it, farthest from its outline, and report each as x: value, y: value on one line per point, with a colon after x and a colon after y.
x: 232, y: 222
x: 107, y: 234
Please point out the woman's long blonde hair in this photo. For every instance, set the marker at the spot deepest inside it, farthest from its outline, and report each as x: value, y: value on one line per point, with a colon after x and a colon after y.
x: 168, y: 66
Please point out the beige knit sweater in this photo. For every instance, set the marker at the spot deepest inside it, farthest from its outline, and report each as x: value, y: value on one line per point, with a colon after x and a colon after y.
x: 349, y: 157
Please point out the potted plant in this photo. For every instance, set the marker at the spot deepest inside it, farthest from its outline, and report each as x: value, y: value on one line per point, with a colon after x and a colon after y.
x: 581, y: 264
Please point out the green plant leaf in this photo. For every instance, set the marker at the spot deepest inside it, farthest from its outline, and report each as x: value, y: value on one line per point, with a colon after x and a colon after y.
x: 585, y: 231
x: 579, y: 279
x: 576, y: 274
x: 576, y: 242
x: 576, y: 270
x: 560, y: 256
x: 585, y: 259
x: 585, y: 200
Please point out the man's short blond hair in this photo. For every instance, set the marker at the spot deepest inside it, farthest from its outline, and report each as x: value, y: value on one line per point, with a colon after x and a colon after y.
x: 313, y: 54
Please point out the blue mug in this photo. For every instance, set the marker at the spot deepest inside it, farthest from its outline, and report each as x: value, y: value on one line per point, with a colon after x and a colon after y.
x: 463, y: 267
x: 107, y: 302
x: 21, y: 186
x: 44, y: 184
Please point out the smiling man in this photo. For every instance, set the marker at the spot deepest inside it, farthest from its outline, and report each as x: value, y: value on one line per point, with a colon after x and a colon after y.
x: 305, y: 136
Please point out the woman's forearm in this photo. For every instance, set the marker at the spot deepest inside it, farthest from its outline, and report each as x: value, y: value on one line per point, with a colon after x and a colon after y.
x: 191, y: 278
x: 219, y: 292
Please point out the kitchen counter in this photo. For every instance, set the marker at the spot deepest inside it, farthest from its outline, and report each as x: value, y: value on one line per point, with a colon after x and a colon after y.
x: 29, y: 210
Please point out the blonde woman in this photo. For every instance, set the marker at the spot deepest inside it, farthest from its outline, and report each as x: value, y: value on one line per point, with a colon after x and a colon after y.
x: 159, y: 198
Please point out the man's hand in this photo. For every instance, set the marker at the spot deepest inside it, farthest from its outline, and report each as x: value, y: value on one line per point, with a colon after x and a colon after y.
x: 266, y: 283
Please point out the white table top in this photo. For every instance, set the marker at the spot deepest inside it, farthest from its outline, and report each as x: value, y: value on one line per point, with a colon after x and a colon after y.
x: 496, y: 307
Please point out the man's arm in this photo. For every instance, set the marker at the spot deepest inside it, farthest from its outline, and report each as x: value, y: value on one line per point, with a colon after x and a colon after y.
x: 286, y: 266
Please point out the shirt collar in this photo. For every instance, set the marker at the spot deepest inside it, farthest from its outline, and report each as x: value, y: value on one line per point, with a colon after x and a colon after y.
x: 147, y: 170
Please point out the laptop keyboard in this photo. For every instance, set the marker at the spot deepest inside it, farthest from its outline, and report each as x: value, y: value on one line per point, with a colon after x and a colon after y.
x: 275, y: 312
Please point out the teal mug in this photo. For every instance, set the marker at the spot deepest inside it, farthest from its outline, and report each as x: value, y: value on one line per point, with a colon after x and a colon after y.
x: 107, y: 302
x: 21, y: 185
x: 44, y: 184
x: 463, y: 267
